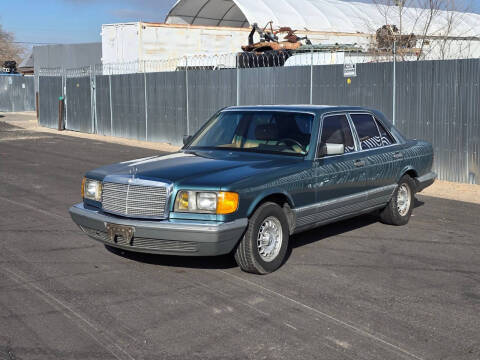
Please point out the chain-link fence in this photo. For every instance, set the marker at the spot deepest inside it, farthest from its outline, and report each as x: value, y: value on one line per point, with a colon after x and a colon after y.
x: 436, y: 100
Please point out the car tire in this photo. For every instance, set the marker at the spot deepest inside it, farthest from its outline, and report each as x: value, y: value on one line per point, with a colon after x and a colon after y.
x: 264, y: 246
x: 400, y: 206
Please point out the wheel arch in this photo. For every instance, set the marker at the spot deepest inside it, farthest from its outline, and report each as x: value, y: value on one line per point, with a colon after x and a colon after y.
x: 410, y: 171
x: 282, y: 198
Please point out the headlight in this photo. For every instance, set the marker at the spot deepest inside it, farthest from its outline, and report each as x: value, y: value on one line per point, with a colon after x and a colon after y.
x: 206, y: 202
x: 91, y: 189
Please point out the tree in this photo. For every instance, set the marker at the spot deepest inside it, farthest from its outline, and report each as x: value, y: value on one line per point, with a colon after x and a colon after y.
x: 435, y: 24
x: 8, y: 49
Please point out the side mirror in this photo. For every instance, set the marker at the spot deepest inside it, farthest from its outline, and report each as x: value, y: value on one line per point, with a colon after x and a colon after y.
x: 186, y: 139
x: 332, y: 149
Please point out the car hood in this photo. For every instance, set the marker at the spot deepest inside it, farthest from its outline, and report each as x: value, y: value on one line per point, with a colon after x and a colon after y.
x: 207, y: 168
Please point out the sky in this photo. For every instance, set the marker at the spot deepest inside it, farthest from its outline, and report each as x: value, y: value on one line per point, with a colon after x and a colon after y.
x: 76, y: 21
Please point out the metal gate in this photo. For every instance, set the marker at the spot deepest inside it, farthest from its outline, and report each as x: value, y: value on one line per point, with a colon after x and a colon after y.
x: 79, y: 115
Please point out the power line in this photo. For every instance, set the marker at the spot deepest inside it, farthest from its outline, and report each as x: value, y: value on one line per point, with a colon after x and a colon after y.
x: 30, y: 43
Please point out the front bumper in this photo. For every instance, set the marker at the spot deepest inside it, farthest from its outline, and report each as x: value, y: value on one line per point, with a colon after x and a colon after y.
x: 172, y: 237
x: 425, y: 181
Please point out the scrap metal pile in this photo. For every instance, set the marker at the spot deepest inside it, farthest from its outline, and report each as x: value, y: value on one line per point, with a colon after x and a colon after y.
x: 270, y: 50
x: 388, y: 34
x: 10, y: 67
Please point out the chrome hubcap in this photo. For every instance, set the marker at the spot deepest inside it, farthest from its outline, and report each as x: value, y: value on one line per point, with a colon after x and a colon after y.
x: 269, y: 238
x: 403, y: 199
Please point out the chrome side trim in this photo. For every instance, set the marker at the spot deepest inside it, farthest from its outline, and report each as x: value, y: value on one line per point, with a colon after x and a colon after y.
x: 346, y: 199
x: 335, y: 219
x: 347, y: 205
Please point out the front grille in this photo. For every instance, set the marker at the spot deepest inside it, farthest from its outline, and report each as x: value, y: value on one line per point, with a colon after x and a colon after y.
x: 144, y: 243
x: 134, y: 200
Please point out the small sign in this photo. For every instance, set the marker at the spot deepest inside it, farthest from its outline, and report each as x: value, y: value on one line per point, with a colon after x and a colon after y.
x: 10, y: 81
x: 23, y: 86
x: 349, y: 70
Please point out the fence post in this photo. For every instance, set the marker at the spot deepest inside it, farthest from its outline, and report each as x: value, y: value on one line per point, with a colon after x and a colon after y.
x: 311, y: 76
x: 186, y: 91
x: 92, y: 102
x: 110, y: 100
x: 61, y: 110
x: 238, y: 86
x: 36, y: 104
x: 394, y: 90
x: 94, y: 98
x: 146, y: 99
x: 64, y: 95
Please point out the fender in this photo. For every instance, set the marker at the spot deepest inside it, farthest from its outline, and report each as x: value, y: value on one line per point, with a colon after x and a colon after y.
x: 405, y: 170
x: 266, y: 193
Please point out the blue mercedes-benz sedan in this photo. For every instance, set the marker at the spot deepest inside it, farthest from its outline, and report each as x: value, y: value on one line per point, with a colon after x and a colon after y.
x: 253, y: 176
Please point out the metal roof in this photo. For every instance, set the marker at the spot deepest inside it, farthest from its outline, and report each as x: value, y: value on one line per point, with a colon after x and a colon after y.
x: 319, y: 15
x: 28, y: 62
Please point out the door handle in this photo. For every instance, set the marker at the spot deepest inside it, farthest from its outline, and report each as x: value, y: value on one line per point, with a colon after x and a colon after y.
x: 359, y: 163
x: 398, y: 155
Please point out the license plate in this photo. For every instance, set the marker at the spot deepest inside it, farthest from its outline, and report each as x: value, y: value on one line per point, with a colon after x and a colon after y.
x: 114, y: 231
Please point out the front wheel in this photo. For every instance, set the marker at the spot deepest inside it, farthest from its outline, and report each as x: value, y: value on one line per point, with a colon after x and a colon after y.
x: 400, y: 206
x: 263, y: 248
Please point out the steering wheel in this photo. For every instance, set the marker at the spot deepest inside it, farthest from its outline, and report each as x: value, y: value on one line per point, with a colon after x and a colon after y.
x: 294, y: 142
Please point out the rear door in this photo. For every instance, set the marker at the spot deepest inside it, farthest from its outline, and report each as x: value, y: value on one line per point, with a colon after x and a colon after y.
x: 382, y: 153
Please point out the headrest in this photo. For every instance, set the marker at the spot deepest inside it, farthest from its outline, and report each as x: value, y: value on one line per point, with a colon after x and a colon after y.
x: 267, y: 132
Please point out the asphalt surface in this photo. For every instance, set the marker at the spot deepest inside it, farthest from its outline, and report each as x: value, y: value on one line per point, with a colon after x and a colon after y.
x: 354, y: 290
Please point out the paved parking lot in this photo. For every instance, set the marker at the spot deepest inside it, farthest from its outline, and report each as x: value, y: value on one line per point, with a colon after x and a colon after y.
x: 354, y: 290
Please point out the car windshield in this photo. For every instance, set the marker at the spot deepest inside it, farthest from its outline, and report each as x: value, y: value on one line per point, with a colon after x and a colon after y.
x: 258, y: 131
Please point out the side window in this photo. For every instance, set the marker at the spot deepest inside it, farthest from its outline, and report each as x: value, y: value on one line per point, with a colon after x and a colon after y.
x: 336, y: 130
x: 367, y: 131
x: 387, y: 139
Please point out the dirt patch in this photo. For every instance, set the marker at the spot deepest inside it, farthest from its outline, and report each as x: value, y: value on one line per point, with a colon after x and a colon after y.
x: 28, y: 121
x: 454, y: 191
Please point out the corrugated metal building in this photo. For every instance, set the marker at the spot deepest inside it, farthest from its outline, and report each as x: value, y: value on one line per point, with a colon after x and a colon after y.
x: 67, y: 55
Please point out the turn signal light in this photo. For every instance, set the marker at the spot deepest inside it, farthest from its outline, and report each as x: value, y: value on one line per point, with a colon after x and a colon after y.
x: 227, y: 203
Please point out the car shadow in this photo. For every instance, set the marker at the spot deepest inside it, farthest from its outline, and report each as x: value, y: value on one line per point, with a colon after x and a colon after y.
x: 337, y: 228
x: 227, y: 261
x: 193, y: 262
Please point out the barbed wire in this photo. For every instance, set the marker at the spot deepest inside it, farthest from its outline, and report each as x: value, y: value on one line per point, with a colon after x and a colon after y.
x: 316, y: 55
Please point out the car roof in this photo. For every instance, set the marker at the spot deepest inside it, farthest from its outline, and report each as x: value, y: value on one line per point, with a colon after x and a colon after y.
x: 301, y: 108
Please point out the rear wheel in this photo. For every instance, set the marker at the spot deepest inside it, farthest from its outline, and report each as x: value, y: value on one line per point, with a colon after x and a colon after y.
x: 400, y: 206
x: 264, y: 245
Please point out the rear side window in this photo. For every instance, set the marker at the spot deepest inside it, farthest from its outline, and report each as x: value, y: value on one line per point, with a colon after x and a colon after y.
x: 387, y: 139
x: 367, y: 131
x: 336, y: 130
